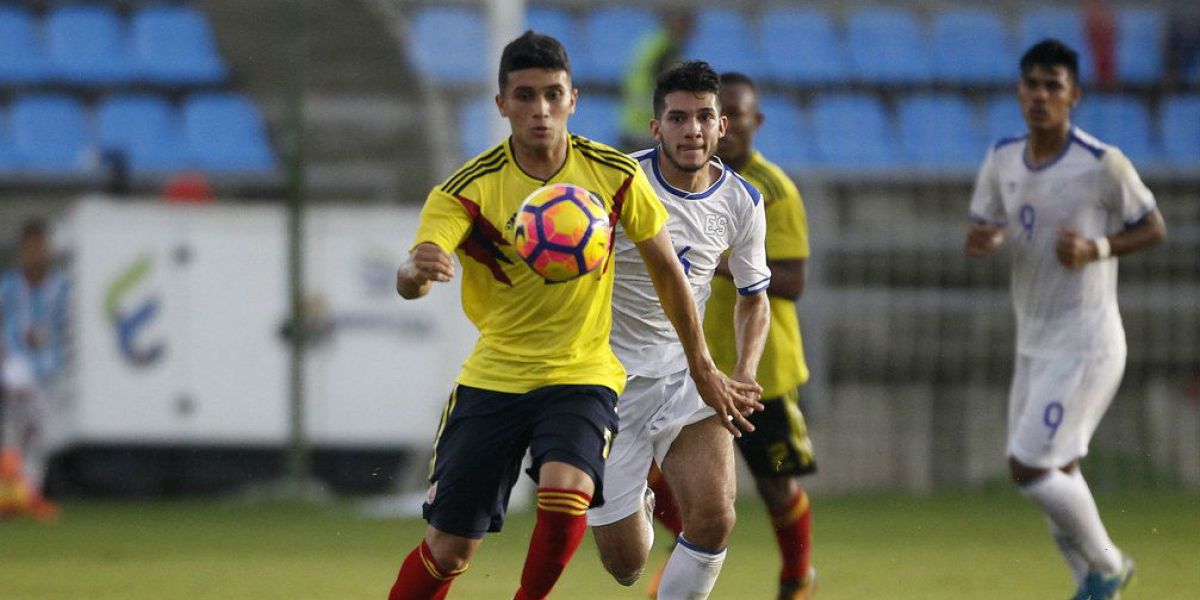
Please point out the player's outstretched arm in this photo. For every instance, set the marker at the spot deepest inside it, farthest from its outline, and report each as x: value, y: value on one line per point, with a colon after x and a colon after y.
x: 1074, y: 251
x: 751, y: 322
x: 983, y: 239
x: 731, y: 399
x: 426, y: 264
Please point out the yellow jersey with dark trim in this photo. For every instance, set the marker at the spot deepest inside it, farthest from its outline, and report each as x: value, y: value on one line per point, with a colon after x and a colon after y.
x: 782, y: 367
x: 534, y: 333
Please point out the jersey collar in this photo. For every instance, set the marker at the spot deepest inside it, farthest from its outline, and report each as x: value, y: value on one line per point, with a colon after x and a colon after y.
x: 686, y: 195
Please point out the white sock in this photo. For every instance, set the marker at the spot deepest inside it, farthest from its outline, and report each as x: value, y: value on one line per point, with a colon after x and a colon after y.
x: 1067, y: 501
x: 691, y: 572
x: 1074, y: 558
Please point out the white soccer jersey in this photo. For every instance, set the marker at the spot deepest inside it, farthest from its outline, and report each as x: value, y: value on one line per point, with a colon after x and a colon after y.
x: 703, y: 225
x: 1092, y: 188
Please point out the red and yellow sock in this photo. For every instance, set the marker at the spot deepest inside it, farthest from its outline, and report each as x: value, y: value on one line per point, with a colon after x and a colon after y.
x: 561, y: 523
x: 793, y: 532
x: 420, y: 578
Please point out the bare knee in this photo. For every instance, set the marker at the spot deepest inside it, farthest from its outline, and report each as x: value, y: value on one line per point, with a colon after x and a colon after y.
x: 1023, y: 474
x: 623, y: 548
x: 450, y: 552
x: 626, y: 572
x: 710, y: 526
x: 778, y: 491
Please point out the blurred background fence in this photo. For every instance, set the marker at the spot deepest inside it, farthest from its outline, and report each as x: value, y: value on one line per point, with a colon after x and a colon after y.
x: 881, y: 111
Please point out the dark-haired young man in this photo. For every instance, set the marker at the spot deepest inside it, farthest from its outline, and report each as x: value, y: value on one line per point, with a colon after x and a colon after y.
x: 779, y: 450
x: 662, y: 418
x: 542, y: 375
x: 1071, y: 205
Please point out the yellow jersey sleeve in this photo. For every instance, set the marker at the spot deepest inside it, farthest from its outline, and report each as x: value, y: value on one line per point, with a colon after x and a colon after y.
x: 787, y: 223
x: 444, y: 221
x: 642, y: 213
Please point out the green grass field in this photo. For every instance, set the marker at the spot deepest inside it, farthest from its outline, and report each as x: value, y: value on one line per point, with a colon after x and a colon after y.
x: 961, y: 547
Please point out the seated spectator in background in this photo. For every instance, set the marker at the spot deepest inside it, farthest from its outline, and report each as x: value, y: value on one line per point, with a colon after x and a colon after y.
x: 33, y: 315
x: 655, y: 53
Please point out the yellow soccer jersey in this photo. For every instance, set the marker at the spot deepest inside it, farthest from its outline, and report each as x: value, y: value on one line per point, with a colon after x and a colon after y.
x: 782, y: 367
x: 532, y: 333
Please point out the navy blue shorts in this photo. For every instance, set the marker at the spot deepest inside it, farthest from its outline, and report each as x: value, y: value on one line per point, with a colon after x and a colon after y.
x: 482, y: 440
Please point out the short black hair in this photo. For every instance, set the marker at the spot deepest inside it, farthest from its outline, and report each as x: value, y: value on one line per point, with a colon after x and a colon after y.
x: 689, y: 76
x: 533, y: 50
x: 729, y: 78
x: 33, y: 228
x: 1051, y: 53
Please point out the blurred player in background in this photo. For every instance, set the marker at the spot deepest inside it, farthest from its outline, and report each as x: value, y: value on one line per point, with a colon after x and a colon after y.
x: 778, y: 451
x: 1071, y: 205
x: 542, y: 375
x: 33, y: 314
x: 655, y: 53
x: 662, y: 417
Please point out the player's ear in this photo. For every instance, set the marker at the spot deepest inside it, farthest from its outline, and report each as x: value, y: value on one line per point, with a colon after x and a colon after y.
x: 655, y: 130
x: 574, y: 99
x: 758, y: 119
x: 500, y: 105
x: 723, y: 125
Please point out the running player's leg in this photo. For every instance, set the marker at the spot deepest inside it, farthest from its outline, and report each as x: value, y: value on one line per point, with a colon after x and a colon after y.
x: 778, y: 453
x: 699, y: 468
x: 1056, y: 405
x: 622, y: 533
x: 478, y: 449
x: 571, y: 434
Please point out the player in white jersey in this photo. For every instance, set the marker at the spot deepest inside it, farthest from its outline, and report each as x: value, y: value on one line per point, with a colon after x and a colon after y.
x: 1069, y: 205
x: 33, y: 322
x: 663, y: 419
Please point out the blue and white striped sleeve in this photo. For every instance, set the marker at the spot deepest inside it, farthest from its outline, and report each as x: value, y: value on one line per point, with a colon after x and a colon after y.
x: 748, y: 253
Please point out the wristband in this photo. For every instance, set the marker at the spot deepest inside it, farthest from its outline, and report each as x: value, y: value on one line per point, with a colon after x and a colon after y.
x: 1103, y: 248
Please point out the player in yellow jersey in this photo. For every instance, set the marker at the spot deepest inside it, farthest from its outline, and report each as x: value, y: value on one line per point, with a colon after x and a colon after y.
x: 542, y: 376
x: 778, y: 451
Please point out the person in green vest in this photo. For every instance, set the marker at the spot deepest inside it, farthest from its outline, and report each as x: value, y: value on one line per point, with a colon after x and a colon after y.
x: 655, y: 53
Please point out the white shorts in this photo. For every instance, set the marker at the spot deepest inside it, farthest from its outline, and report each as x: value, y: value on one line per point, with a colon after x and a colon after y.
x: 653, y: 410
x: 1055, y: 405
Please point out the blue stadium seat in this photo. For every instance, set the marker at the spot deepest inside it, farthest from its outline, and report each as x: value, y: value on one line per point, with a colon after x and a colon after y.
x: 851, y: 131
x: 1002, y: 118
x: 887, y: 45
x: 1139, y: 45
x: 88, y: 46
x: 1180, y: 120
x: 475, y: 119
x: 612, y: 35
x: 22, y: 60
x: 51, y: 135
x: 225, y: 134
x: 939, y: 131
x: 1122, y: 121
x: 970, y: 46
x: 801, y: 46
x: 450, y: 44
x: 10, y: 159
x: 725, y: 40
x: 783, y: 138
x: 1064, y: 24
x: 173, y: 46
x: 145, y: 130
x: 597, y: 117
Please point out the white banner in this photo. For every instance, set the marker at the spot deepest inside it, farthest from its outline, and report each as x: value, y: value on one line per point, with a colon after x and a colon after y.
x: 178, y: 314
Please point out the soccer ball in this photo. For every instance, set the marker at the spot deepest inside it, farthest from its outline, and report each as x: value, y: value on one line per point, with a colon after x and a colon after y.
x: 562, y: 231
